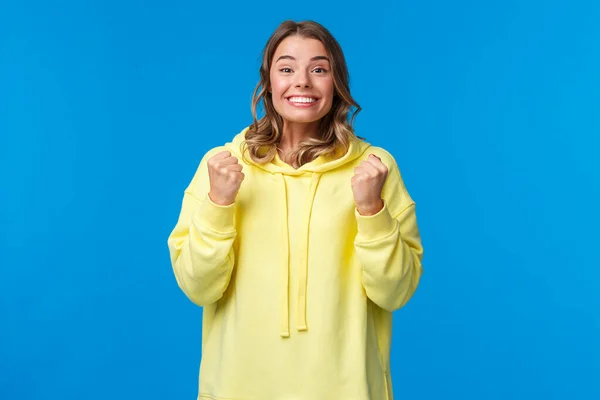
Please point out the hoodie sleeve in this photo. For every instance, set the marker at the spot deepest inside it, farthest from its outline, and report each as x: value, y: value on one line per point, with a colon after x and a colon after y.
x: 388, y: 245
x: 201, y: 244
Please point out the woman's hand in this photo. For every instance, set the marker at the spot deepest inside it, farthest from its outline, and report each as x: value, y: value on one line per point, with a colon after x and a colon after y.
x: 226, y: 176
x: 367, y: 184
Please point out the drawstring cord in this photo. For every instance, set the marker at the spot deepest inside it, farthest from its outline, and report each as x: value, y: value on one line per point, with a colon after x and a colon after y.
x: 301, y: 324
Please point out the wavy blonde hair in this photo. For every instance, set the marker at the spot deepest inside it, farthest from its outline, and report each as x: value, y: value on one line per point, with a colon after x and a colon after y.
x: 335, y: 130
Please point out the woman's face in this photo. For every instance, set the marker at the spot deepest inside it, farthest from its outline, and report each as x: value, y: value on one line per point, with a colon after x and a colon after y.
x: 301, y: 80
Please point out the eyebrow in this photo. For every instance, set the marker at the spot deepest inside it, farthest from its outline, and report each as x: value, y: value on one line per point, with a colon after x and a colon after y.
x: 312, y: 59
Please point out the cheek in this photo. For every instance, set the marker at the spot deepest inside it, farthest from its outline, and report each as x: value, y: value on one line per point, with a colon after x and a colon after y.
x: 331, y: 88
x: 328, y: 89
x: 277, y: 86
x: 277, y: 90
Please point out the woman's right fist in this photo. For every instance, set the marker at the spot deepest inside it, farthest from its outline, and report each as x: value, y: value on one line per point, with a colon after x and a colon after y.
x: 226, y: 176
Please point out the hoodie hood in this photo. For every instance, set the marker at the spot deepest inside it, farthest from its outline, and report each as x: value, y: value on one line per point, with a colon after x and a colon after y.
x: 319, y: 165
x: 315, y: 168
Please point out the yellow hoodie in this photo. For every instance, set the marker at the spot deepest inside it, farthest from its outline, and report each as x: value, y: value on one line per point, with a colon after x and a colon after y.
x: 297, y: 287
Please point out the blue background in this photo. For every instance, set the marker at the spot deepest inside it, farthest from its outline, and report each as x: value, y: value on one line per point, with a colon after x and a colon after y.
x: 490, y: 108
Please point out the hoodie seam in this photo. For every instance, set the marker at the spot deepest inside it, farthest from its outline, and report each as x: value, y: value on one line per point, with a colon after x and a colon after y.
x: 201, y: 226
x: 189, y: 192
x: 388, y: 234
x: 221, y: 234
x: 411, y: 204
x: 378, y: 238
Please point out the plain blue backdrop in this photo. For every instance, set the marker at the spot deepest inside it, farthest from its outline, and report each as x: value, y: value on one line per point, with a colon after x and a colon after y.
x: 491, y: 109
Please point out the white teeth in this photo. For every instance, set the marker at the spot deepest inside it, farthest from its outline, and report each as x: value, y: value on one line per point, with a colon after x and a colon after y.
x: 302, y: 100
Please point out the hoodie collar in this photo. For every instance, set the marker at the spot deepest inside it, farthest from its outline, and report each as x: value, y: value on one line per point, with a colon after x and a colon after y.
x: 278, y: 168
x: 321, y: 164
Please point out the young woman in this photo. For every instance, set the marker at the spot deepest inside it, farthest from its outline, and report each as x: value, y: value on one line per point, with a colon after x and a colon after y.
x: 298, y: 238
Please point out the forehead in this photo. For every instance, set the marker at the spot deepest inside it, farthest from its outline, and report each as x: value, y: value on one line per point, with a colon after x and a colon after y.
x: 300, y: 48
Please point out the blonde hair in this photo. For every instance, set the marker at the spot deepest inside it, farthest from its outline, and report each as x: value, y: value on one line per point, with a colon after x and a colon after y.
x: 335, y: 131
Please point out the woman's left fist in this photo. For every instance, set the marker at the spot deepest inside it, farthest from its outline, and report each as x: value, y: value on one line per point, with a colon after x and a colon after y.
x: 367, y: 184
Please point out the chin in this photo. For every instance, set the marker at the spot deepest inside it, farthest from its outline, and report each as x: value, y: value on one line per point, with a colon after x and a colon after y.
x: 301, y: 120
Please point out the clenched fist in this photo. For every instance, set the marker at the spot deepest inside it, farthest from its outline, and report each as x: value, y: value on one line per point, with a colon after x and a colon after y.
x: 367, y: 184
x: 226, y: 176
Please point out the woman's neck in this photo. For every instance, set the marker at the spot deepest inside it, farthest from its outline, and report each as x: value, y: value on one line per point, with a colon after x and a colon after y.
x: 293, y: 134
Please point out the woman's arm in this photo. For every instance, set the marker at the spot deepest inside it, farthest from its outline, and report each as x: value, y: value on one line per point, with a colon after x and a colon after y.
x: 388, y: 246
x: 201, y: 244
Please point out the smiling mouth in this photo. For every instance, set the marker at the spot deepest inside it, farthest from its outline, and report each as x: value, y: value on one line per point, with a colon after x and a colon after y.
x: 302, y: 102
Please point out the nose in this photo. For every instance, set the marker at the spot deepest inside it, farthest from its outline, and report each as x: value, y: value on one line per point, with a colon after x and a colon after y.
x: 302, y: 79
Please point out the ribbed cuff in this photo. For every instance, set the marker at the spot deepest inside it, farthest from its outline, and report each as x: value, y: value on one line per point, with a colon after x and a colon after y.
x: 375, y: 226
x: 214, y: 216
